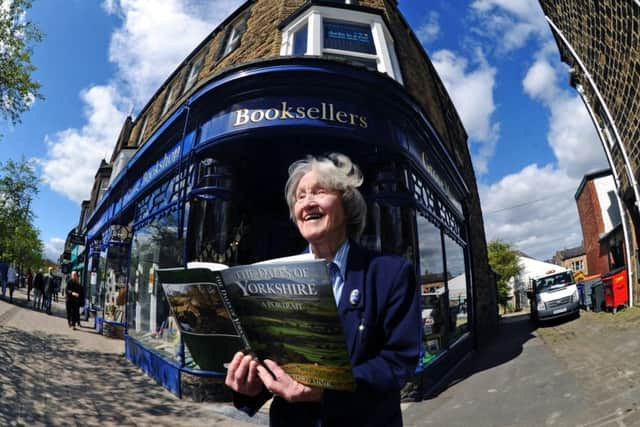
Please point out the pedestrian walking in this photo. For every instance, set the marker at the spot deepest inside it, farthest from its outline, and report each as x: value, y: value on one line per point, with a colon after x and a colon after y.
x: 29, y: 279
x: 56, y: 287
x: 4, y: 269
x: 12, y: 280
x: 74, y: 298
x: 49, y: 284
x: 38, y: 290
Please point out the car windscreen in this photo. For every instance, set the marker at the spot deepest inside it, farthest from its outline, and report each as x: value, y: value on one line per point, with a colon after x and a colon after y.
x: 559, y: 279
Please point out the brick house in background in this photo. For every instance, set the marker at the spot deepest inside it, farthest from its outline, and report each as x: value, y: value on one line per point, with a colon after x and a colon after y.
x: 574, y: 259
x: 600, y: 222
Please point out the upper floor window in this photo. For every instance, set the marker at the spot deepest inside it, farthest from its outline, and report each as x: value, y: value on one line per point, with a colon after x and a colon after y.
x: 196, y: 66
x: 232, y: 36
x: 355, y: 37
x: 141, y: 133
x: 102, y: 188
x: 171, y: 94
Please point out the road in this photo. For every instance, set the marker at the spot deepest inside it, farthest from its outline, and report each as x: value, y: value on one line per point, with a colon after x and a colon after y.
x: 580, y: 372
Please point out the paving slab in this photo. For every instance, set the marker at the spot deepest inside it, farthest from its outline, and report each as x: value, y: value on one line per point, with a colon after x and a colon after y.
x: 51, y: 375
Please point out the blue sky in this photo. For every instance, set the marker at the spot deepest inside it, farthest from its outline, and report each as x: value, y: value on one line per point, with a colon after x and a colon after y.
x: 530, y: 136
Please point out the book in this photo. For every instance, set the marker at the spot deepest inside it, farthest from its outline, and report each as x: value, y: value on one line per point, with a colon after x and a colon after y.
x: 283, y: 310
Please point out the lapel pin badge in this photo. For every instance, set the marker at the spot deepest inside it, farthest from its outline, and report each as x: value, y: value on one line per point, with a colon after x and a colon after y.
x: 354, y: 298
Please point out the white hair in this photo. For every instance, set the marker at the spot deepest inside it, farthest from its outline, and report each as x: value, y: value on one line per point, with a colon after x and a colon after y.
x: 336, y: 172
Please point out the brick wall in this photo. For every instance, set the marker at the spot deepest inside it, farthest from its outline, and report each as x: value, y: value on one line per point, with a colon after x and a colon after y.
x: 592, y: 225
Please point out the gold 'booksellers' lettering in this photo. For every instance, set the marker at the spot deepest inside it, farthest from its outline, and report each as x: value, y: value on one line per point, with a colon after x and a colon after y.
x: 325, y: 111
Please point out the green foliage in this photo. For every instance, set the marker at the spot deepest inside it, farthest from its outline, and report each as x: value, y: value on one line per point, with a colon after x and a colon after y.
x: 503, y: 259
x: 19, y: 239
x: 17, y: 33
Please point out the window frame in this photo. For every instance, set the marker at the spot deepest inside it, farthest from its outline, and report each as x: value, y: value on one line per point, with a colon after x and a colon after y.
x: 385, y: 57
x: 194, y: 72
x: 143, y: 128
x: 168, y: 100
x: 233, y: 36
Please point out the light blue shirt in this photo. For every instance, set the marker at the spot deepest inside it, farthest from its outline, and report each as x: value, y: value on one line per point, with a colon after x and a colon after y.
x: 338, y: 269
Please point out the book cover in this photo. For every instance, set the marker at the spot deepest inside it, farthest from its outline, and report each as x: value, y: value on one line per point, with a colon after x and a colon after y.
x: 283, y: 310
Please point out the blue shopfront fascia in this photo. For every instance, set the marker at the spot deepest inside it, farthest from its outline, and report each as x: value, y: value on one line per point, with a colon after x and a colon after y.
x: 287, y: 97
x: 282, y: 99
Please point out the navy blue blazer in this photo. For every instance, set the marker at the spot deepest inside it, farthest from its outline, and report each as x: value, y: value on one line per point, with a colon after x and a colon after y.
x: 382, y: 331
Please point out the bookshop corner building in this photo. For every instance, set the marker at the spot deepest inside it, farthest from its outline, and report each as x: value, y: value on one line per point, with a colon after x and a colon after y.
x: 199, y: 175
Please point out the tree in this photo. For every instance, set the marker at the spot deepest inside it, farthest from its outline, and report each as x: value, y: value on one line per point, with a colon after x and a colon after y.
x: 504, y: 260
x: 17, y: 33
x: 19, y: 239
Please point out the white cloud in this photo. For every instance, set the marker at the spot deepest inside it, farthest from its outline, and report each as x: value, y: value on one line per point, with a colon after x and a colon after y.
x: 534, y: 209
x: 512, y: 22
x: 53, y: 248
x: 471, y: 91
x: 74, y: 154
x: 429, y: 29
x: 156, y: 36
x: 572, y: 135
x: 151, y: 42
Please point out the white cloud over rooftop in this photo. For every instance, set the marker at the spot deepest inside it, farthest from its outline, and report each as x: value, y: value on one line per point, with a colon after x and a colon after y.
x: 152, y: 40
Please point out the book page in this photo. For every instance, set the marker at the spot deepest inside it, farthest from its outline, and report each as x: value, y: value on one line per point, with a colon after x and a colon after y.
x: 289, y: 315
x: 199, y: 303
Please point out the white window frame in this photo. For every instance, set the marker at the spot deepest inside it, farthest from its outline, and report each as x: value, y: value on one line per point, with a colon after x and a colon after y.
x: 142, y: 129
x: 233, y: 40
x: 168, y: 100
x: 385, y: 57
x: 196, y: 66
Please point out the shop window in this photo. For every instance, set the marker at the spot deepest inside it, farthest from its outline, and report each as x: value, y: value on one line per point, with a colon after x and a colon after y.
x: 434, y: 298
x: 390, y: 226
x: 351, y: 36
x: 458, y: 314
x: 112, y: 290
x: 194, y: 71
x: 155, y: 245
x: 95, y: 267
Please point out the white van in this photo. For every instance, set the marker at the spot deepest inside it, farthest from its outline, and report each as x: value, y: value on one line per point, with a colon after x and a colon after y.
x: 553, y: 295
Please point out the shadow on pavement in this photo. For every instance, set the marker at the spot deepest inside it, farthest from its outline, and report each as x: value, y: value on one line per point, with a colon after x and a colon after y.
x: 44, y: 380
x: 513, y: 332
x: 49, y: 379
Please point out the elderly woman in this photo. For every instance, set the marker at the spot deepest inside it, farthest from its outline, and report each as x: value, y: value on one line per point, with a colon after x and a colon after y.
x: 377, y: 300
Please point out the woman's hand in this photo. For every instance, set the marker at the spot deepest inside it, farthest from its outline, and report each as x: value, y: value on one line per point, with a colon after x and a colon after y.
x: 280, y: 383
x: 242, y: 375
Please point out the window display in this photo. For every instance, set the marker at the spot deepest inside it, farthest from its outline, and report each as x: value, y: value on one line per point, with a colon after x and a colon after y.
x: 457, y: 289
x: 155, y: 245
x: 115, y: 282
x: 433, y: 290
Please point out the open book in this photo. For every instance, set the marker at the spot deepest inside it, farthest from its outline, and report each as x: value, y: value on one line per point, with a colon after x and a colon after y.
x: 282, y: 309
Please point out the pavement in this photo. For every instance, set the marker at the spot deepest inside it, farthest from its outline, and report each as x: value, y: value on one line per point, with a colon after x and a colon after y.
x: 577, y: 372
x: 51, y: 375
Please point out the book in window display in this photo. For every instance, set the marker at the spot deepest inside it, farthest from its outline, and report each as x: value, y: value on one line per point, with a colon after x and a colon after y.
x: 283, y: 310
